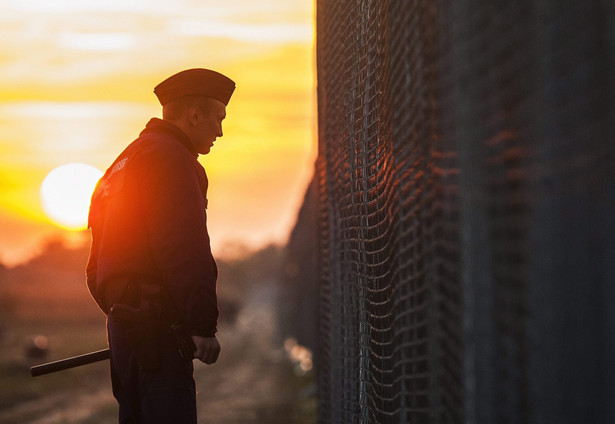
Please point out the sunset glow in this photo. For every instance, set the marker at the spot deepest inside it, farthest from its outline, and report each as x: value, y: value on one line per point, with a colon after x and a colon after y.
x: 76, y: 81
x: 66, y: 192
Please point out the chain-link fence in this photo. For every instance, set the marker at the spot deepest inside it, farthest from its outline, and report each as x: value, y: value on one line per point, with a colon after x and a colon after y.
x: 466, y: 211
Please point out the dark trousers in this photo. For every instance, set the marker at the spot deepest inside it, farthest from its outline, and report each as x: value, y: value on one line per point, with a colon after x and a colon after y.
x: 151, y: 397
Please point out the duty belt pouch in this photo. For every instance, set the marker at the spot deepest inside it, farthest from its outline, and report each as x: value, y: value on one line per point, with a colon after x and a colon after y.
x: 142, y: 329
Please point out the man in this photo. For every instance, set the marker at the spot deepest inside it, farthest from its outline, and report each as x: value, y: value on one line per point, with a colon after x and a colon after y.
x: 150, y: 267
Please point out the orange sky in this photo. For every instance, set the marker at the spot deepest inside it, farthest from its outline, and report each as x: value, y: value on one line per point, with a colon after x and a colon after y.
x: 76, y: 81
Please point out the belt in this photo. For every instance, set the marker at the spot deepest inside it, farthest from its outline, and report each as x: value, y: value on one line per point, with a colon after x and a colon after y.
x: 135, y: 291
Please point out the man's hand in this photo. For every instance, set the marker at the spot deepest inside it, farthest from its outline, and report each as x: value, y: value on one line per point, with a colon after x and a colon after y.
x: 207, y: 349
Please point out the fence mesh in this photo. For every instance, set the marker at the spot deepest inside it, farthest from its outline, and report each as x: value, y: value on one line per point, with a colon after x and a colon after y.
x: 465, y: 199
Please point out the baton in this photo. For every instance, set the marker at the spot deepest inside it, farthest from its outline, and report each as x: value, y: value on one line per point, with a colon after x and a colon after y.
x: 75, y: 361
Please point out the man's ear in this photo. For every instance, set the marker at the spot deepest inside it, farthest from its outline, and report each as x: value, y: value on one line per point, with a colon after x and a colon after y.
x: 194, y: 115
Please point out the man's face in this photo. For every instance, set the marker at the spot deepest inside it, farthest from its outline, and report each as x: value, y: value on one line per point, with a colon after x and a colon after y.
x: 209, y: 126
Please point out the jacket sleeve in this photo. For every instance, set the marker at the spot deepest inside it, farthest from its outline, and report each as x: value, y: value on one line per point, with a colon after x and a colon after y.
x: 175, y: 217
x: 91, y: 277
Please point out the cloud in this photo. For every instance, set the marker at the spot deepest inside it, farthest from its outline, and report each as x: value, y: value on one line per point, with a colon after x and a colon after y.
x: 97, y: 41
x: 276, y: 33
x: 69, y: 6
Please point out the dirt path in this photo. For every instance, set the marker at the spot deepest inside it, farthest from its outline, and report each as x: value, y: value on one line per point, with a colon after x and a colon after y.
x: 66, y: 407
x: 252, y: 382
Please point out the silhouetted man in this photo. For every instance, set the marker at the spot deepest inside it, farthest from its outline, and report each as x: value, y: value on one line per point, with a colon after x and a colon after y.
x: 150, y: 268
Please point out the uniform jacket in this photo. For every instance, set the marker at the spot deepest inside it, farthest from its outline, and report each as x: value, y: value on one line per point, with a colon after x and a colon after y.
x: 148, y: 220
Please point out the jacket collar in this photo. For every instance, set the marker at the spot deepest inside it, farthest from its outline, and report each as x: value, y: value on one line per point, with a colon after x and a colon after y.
x: 156, y: 125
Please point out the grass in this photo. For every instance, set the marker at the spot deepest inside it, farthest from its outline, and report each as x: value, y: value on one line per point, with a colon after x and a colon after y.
x: 253, y: 381
x: 26, y: 399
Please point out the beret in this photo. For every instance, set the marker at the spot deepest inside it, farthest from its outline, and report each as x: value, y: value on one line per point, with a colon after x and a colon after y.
x: 197, y: 81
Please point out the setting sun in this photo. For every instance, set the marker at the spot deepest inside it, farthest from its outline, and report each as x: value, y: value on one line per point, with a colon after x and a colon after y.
x: 66, y: 193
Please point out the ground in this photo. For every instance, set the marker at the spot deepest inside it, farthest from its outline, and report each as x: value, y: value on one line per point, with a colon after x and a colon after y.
x: 253, y: 381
